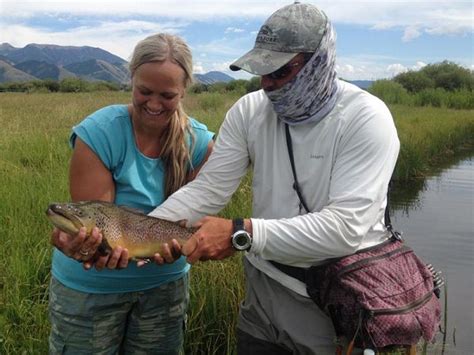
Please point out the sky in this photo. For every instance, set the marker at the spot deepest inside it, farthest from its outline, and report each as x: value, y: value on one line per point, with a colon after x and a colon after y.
x: 375, y: 39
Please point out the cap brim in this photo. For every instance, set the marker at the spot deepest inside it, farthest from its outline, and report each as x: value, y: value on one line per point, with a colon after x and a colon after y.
x: 261, y: 61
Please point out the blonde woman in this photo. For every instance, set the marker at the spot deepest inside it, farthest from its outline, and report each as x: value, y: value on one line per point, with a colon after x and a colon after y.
x: 134, y: 155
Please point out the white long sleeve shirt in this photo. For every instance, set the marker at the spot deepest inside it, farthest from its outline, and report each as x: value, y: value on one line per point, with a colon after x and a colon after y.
x: 343, y: 164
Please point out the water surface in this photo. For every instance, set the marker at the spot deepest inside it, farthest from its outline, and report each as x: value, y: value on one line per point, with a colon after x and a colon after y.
x: 438, y: 223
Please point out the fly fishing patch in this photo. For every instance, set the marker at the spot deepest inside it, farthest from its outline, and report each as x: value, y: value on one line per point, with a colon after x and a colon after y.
x: 380, y: 296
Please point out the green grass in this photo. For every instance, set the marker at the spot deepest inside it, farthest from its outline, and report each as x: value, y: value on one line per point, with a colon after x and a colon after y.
x: 34, y: 161
x: 429, y: 136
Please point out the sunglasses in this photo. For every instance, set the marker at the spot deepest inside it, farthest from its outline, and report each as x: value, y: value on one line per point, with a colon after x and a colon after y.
x: 284, y: 71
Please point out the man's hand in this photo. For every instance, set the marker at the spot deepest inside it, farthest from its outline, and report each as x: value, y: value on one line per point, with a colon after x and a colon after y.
x: 211, y: 241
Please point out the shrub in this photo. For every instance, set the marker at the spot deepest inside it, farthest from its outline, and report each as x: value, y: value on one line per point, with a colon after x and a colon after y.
x: 390, y: 92
x: 414, y: 81
x: 104, y: 86
x: 198, y: 88
x: 430, y: 97
x: 460, y: 99
x: 73, y: 85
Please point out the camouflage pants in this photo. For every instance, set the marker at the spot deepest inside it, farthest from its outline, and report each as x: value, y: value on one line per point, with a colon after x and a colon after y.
x: 145, y: 322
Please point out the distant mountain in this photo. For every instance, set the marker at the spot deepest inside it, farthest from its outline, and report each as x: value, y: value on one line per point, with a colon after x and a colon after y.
x: 42, y: 70
x: 96, y: 69
x: 47, y: 61
x: 8, y: 73
x: 213, y: 77
x: 6, y: 48
x: 57, y: 55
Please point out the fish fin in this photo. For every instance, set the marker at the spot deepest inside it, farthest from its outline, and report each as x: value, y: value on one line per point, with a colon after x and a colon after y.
x: 104, y: 247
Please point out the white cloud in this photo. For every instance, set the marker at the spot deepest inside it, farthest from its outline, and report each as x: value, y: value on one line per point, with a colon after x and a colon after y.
x: 411, y: 32
x: 117, y: 26
x: 116, y: 37
x: 233, y: 30
x: 394, y: 69
x: 419, y: 65
x: 198, y: 68
x: 436, y: 16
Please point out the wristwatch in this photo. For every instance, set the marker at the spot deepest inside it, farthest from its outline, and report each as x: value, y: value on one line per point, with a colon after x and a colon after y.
x: 241, y: 239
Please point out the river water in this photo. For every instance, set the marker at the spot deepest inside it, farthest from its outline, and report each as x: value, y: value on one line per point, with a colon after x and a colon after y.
x: 436, y: 219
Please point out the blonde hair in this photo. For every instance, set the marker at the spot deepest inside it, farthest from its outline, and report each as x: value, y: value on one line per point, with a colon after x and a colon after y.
x: 175, y: 152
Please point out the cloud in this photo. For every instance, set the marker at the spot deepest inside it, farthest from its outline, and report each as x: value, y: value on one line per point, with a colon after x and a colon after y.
x: 411, y: 32
x: 198, y: 68
x: 116, y: 37
x: 437, y: 16
x: 117, y: 26
x: 394, y: 69
x: 419, y: 65
x: 233, y: 30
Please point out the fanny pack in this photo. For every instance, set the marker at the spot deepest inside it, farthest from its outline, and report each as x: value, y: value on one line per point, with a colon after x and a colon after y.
x: 379, y: 296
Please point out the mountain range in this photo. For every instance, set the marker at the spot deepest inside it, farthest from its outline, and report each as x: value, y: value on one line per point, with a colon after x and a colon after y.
x: 48, y: 61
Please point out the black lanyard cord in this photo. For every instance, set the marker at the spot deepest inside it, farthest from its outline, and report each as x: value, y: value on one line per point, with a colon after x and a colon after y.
x: 296, y: 186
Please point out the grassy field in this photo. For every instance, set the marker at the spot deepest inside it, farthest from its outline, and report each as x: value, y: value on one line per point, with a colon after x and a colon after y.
x: 33, y: 171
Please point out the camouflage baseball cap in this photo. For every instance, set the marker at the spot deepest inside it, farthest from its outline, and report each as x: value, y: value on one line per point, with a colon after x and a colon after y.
x: 293, y: 29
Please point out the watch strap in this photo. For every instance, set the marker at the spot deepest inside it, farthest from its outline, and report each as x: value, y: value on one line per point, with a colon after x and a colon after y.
x: 238, y: 225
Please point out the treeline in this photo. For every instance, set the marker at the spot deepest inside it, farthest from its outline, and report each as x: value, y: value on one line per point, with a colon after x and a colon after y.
x: 80, y: 85
x: 237, y: 86
x: 65, y: 85
x: 444, y: 84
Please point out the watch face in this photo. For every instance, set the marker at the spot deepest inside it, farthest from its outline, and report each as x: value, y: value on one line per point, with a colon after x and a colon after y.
x: 241, y: 240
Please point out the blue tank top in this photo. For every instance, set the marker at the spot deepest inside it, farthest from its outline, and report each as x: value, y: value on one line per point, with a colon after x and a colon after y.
x: 139, y: 184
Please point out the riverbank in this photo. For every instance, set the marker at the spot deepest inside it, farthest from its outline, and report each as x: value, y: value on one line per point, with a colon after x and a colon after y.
x: 33, y: 170
x: 429, y: 136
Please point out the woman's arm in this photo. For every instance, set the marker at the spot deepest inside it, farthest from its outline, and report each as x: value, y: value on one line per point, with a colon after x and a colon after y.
x: 89, y: 179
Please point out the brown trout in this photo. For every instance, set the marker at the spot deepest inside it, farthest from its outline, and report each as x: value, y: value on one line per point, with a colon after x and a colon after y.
x: 142, y: 235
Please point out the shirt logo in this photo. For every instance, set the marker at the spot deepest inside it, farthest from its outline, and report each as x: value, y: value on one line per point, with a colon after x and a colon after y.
x: 316, y: 156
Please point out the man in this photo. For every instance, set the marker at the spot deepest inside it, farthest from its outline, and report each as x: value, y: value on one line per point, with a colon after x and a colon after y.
x: 345, y: 147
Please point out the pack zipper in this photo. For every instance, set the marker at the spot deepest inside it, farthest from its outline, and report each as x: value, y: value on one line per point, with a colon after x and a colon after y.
x: 372, y: 259
x: 401, y: 310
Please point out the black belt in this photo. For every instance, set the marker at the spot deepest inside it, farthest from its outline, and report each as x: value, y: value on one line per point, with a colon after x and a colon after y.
x: 298, y: 273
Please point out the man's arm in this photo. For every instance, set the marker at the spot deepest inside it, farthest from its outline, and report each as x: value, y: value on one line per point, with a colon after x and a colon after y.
x: 218, y: 179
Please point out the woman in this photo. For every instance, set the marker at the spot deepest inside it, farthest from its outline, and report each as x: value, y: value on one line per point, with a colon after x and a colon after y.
x: 134, y: 155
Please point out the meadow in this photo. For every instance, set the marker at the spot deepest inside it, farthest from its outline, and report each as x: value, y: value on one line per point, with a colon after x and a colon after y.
x: 34, y: 158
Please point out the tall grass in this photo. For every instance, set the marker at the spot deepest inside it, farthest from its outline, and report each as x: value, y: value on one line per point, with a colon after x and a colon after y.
x: 393, y: 92
x: 428, y: 136
x: 34, y: 158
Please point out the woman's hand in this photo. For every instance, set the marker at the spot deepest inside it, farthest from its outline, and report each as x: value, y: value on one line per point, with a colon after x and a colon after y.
x: 84, y: 248
x: 80, y: 246
x: 116, y: 259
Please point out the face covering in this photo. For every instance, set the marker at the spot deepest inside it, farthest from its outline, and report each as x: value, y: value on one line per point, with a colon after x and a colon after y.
x: 312, y: 93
